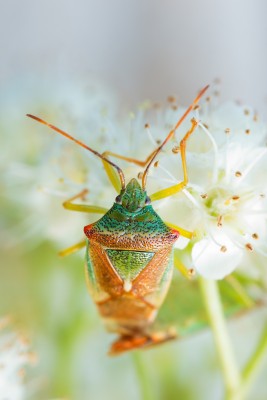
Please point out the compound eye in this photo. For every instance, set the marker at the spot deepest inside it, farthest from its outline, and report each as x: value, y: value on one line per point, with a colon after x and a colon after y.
x: 118, y: 199
x: 147, y: 201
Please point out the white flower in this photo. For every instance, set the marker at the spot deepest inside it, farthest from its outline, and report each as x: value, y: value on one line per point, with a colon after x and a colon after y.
x: 14, y: 357
x: 227, y: 163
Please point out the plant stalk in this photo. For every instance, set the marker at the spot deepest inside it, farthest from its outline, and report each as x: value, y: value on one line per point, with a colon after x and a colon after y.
x: 217, y: 321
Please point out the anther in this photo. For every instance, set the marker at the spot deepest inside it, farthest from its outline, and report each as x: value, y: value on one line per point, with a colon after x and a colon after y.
x: 235, y: 198
x: 156, y: 164
x: 206, y: 126
x: 174, y: 107
x: 175, y: 149
x: 219, y: 221
x: 140, y: 175
x: 255, y: 236
x: 208, y: 98
x: 191, y: 272
x: 196, y: 107
x: 147, y: 126
x: 204, y: 196
x: 238, y: 174
x: 247, y: 131
x: 227, y: 131
x: 249, y: 246
x: 223, y: 249
x: 246, y: 111
x: 171, y: 99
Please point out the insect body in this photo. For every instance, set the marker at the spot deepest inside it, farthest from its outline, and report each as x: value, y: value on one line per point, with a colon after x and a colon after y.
x: 129, y: 251
x: 129, y: 264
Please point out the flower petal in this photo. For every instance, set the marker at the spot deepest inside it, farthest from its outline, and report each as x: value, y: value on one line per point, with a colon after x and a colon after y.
x: 213, y: 261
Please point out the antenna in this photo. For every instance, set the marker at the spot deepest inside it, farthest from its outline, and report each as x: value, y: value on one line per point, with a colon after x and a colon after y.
x: 67, y: 135
x: 170, y: 135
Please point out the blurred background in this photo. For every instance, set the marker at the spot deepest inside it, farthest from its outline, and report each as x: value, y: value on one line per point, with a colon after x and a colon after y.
x: 65, y: 60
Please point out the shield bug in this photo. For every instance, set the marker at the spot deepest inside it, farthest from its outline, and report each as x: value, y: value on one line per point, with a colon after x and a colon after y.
x: 129, y: 251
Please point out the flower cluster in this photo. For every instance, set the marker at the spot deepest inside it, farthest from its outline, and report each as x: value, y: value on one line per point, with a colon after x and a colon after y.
x: 224, y: 202
x: 14, y: 357
x: 226, y: 194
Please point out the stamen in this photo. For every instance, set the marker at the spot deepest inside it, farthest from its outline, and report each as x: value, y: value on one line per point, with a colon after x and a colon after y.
x: 208, y: 231
x: 173, y: 179
x: 215, y: 149
x: 252, y: 165
x: 193, y: 200
x: 219, y: 221
x: 150, y: 136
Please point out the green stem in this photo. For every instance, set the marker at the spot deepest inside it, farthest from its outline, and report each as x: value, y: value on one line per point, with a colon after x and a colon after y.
x: 214, y: 310
x: 254, y: 364
x: 146, y: 386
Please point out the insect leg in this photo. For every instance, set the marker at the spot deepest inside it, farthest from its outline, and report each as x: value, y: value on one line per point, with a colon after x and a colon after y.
x: 72, y: 249
x: 180, y: 186
x: 69, y: 205
x: 183, y: 232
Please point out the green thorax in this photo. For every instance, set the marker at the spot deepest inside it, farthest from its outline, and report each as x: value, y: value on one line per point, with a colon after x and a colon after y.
x: 132, y: 223
x: 132, y: 213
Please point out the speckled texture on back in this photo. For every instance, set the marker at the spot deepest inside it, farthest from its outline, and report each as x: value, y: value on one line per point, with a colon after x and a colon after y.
x: 129, y: 262
x: 143, y: 230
